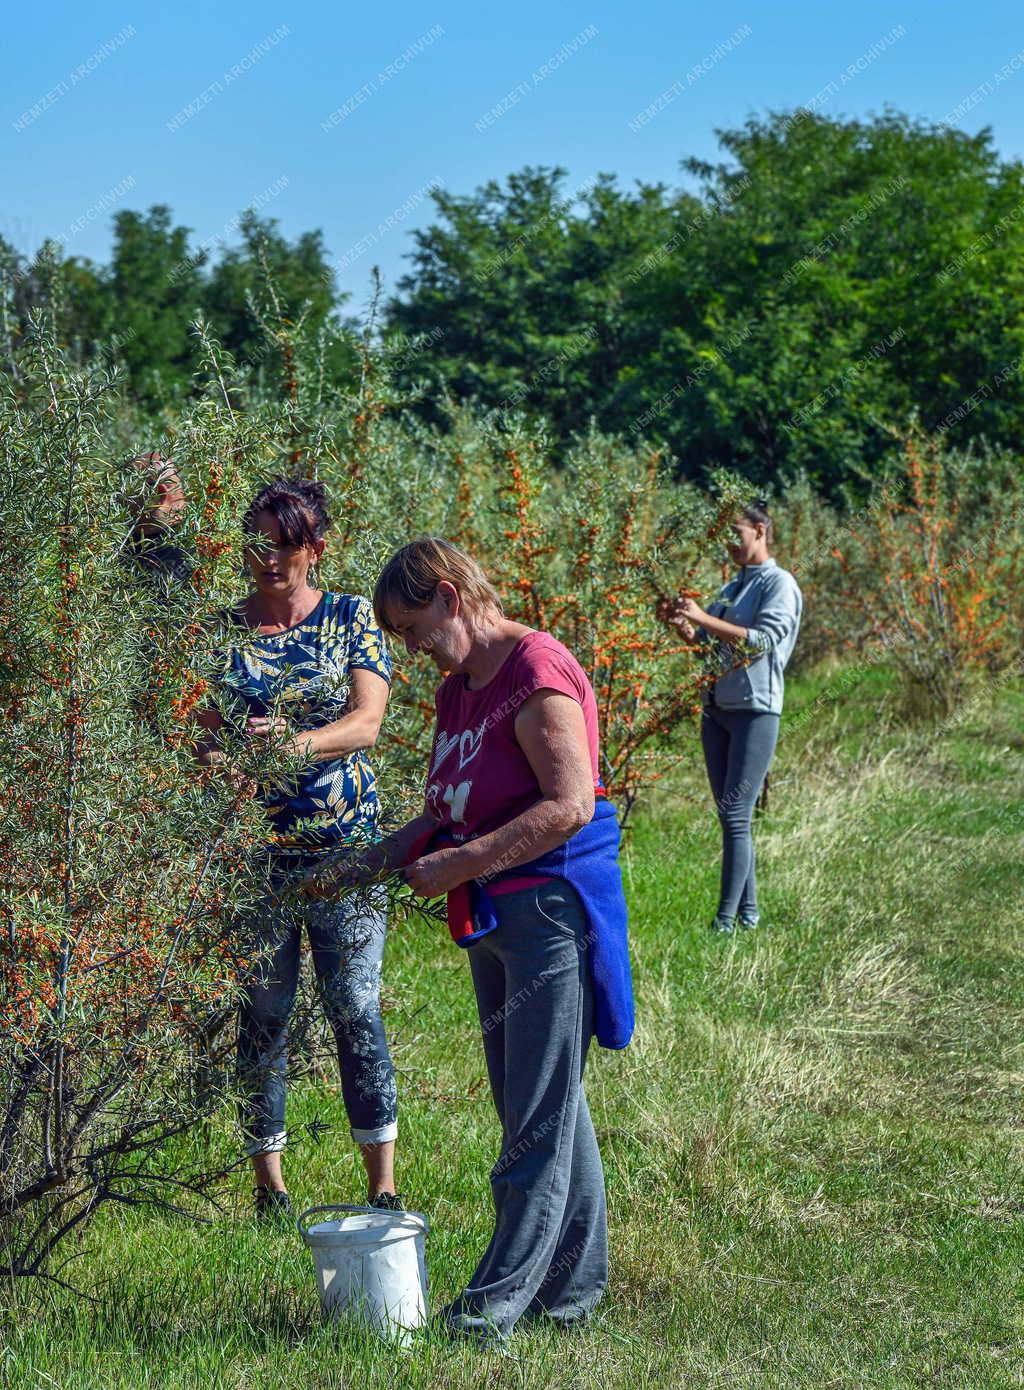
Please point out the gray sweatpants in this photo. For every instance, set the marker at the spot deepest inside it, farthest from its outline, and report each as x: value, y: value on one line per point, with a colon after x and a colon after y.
x: 549, y: 1251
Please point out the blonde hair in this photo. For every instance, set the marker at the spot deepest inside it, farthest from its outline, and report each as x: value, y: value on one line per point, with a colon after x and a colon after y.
x: 411, y: 577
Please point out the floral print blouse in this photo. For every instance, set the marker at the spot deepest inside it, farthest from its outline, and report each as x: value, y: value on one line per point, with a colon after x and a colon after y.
x: 303, y: 674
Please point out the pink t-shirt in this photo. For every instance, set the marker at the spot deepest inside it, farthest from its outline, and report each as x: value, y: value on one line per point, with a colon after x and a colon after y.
x: 479, y: 777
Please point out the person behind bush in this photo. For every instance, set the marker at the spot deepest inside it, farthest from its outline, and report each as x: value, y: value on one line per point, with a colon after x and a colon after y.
x: 156, y: 510
x: 527, y: 852
x: 751, y: 629
x: 310, y: 670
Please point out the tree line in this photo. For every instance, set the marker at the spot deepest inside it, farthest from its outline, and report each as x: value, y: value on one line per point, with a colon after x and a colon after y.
x: 823, y: 284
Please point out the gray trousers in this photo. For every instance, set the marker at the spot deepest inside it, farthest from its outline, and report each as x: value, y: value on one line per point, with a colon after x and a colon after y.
x: 549, y: 1251
x: 738, y: 749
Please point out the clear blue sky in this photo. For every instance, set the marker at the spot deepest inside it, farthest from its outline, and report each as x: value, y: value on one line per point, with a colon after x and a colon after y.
x: 95, y: 104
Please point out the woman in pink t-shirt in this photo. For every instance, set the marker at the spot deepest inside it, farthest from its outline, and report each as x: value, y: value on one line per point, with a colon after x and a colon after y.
x: 512, y: 777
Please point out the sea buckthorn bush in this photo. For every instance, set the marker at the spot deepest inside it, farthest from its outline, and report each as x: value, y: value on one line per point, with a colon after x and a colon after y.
x: 929, y: 572
x: 119, y: 863
x: 807, y: 531
x: 128, y: 872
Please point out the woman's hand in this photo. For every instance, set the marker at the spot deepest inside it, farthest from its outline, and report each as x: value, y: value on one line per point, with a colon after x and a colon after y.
x: 691, y: 612
x: 356, y: 729
x: 436, y: 873
x: 273, y: 733
x: 213, y: 763
x: 670, y: 612
x: 331, y: 880
x: 264, y: 728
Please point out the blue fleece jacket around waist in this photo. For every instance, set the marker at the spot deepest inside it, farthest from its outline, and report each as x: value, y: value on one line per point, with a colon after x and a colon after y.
x: 589, y: 860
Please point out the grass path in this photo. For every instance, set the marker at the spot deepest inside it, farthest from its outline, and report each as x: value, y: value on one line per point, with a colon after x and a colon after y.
x: 813, y: 1147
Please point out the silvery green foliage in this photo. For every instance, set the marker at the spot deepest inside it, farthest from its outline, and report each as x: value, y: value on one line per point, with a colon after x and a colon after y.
x: 127, y: 873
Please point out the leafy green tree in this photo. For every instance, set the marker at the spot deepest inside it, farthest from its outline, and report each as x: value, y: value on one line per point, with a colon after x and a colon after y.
x: 236, y: 297
x: 91, y: 321
x: 780, y: 316
x: 845, y: 244
x: 516, y: 297
x: 156, y: 288
x: 74, y: 290
x: 825, y: 281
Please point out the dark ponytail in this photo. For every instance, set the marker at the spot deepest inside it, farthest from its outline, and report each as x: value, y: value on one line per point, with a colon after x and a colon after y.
x: 757, y: 511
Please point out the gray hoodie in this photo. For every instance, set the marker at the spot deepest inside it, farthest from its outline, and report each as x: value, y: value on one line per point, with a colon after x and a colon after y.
x: 766, y: 600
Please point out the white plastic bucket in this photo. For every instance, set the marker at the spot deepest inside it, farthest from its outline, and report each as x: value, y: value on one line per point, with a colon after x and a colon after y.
x: 371, y: 1264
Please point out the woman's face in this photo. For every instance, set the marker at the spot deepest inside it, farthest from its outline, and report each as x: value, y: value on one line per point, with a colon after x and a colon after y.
x: 276, y: 568
x: 747, y: 541
x: 438, y: 629
x: 163, y: 505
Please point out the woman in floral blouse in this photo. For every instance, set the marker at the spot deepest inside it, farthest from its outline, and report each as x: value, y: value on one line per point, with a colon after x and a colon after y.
x: 308, y: 673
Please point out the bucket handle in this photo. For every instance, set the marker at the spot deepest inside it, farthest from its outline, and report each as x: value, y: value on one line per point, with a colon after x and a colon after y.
x: 301, y: 1222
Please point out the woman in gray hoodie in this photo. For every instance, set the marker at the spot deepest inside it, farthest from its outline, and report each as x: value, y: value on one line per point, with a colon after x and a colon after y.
x: 750, y: 631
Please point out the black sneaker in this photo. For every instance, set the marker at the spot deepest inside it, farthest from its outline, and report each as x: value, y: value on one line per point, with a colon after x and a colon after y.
x: 272, y: 1205
x: 387, y: 1201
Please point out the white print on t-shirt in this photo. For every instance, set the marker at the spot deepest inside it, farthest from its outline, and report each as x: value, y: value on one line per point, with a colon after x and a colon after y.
x: 456, y: 798
x: 442, y: 748
x: 470, y: 740
x: 469, y: 743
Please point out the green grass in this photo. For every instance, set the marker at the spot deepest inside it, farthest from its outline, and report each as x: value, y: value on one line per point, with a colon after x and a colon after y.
x: 813, y: 1147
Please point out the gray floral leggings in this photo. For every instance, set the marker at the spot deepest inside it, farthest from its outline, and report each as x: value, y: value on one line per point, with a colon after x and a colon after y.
x: 347, y: 941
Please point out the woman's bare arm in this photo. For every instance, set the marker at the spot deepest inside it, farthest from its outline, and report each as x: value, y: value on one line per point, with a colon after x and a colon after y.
x: 552, y: 733
x: 718, y: 627
x: 357, y: 728
x: 365, y: 864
